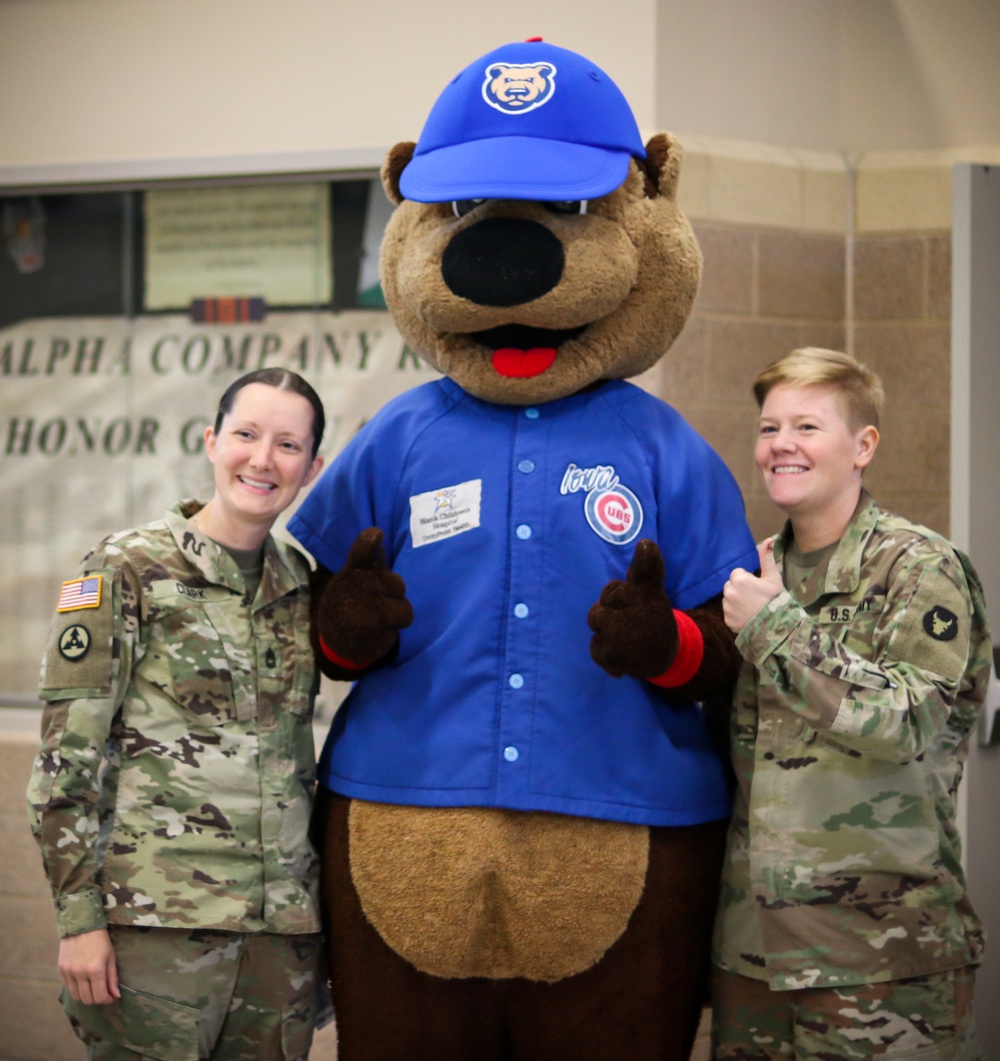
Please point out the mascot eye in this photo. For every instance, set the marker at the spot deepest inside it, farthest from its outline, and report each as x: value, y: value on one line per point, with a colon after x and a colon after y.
x: 461, y: 207
x: 568, y: 206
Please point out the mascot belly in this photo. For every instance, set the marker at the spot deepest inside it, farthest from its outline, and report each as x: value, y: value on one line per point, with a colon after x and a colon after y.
x: 520, y: 567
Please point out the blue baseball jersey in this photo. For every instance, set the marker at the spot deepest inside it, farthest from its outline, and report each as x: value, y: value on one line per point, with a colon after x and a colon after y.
x: 506, y: 522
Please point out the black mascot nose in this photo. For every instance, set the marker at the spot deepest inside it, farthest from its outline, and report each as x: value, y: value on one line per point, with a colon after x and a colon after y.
x: 503, y: 261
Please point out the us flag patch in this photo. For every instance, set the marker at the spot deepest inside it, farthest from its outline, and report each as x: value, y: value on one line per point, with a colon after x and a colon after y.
x: 80, y: 593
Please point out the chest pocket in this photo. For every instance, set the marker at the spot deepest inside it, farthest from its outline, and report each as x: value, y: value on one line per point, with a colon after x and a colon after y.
x: 199, y: 659
x: 851, y: 621
x: 285, y: 667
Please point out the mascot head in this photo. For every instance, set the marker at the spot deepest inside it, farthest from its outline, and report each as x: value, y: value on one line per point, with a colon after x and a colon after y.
x: 537, y: 246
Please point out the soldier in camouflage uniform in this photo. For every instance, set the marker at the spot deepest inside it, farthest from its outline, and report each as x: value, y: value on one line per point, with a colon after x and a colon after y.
x: 172, y: 793
x: 845, y: 929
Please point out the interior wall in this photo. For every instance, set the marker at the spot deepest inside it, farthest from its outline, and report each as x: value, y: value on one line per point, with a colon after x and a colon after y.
x: 112, y: 81
x: 764, y: 72
x: 920, y: 73
x: 85, y: 81
x: 846, y: 75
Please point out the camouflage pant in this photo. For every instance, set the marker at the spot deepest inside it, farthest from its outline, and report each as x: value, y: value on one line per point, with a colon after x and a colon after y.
x: 924, y: 1018
x: 192, y: 995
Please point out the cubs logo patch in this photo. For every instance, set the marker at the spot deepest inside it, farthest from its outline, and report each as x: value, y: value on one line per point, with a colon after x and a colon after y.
x: 941, y: 623
x: 516, y: 88
x: 615, y: 515
x: 612, y: 510
x: 74, y: 642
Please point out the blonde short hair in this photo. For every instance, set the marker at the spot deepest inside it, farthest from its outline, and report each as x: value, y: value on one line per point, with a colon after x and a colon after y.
x: 858, y: 387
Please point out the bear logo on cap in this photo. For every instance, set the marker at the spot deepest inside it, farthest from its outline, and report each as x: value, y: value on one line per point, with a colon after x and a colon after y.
x: 516, y: 88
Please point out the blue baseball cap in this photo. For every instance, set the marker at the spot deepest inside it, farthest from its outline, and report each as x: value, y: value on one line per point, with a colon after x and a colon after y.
x: 526, y: 121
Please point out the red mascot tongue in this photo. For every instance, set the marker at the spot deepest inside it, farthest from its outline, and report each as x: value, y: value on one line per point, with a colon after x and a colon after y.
x: 522, y: 364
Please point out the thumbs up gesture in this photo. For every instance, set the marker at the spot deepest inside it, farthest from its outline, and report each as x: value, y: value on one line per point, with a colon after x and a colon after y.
x: 635, y: 632
x: 745, y: 594
x: 363, y: 606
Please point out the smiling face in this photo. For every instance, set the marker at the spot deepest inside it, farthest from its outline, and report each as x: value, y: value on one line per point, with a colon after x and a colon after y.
x: 523, y: 302
x: 811, y: 460
x: 262, y: 455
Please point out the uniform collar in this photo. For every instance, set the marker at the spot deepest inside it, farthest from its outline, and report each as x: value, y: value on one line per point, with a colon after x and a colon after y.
x: 278, y: 577
x: 842, y: 571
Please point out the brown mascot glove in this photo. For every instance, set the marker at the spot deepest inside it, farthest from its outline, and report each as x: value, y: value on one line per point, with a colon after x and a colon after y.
x: 362, y: 608
x: 635, y: 628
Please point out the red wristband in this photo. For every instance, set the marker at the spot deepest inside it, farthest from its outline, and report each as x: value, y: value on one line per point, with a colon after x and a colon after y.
x: 690, y: 652
x: 338, y: 661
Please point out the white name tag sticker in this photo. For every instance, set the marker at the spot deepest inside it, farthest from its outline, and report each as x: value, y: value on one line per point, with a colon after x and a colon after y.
x: 443, y: 513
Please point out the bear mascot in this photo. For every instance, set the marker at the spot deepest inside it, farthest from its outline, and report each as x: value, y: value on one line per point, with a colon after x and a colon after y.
x: 520, y: 568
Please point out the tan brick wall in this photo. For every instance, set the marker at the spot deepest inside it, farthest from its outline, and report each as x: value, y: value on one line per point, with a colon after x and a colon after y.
x: 764, y: 291
x: 902, y: 328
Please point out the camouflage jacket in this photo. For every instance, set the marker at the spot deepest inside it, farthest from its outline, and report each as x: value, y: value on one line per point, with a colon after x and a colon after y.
x: 850, y: 730
x: 175, y: 778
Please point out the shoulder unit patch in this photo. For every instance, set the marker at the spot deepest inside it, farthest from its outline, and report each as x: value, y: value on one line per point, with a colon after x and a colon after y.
x: 941, y: 623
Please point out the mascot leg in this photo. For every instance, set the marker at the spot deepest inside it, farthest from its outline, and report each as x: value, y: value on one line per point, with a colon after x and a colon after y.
x: 386, y: 1009
x: 641, y: 1001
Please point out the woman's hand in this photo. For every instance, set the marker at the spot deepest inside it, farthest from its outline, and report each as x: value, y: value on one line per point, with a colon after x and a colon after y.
x: 88, y: 969
x: 745, y: 594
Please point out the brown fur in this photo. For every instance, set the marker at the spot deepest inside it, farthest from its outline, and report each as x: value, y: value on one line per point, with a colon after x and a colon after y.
x: 471, y: 891
x: 360, y: 610
x: 631, y: 276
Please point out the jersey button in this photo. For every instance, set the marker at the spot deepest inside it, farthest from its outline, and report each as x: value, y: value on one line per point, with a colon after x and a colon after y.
x: 521, y: 611
x: 532, y: 414
x: 510, y: 753
x: 516, y: 681
x: 523, y: 532
x: 526, y: 466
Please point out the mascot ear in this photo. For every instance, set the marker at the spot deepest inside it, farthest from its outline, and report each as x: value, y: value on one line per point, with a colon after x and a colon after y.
x: 662, y: 166
x: 392, y: 169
